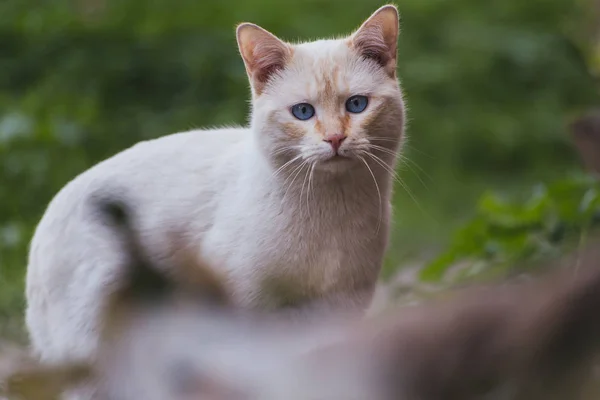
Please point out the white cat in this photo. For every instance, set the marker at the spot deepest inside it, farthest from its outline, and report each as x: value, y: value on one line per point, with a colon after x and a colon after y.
x: 293, y: 208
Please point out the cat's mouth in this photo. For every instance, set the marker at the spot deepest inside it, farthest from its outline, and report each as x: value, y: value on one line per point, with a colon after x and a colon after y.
x: 330, y: 158
x: 336, y: 162
x: 337, y: 157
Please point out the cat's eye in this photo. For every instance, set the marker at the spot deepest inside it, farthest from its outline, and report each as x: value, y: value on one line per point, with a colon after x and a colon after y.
x: 303, y: 111
x: 357, y: 104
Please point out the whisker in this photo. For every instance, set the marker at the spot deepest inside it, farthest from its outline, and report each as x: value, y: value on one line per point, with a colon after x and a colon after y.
x: 405, y: 160
x: 404, y: 144
x: 386, y: 167
x: 384, y: 139
x: 302, y: 190
x: 378, y: 192
x: 284, y: 149
x: 310, y: 187
x: 285, y: 165
x: 413, y: 148
x: 298, y: 169
x: 383, y: 149
x: 403, y: 184
x: 417, y: 175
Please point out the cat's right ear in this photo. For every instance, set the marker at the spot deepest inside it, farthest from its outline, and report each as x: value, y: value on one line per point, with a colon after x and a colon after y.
x: 263, y: 54
x: 377, y: 38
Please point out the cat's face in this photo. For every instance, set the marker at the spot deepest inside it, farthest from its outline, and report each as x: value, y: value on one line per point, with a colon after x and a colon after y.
x: 331, y: 103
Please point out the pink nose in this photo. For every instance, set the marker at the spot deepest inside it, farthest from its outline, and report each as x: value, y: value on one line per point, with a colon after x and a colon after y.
x: 335, y: 141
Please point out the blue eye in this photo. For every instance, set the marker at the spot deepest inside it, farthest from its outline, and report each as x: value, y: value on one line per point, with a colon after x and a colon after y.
x: 303, y: 111
x: 357, y: 104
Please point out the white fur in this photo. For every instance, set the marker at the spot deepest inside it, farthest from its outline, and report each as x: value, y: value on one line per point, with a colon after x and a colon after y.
x: 321, y: 229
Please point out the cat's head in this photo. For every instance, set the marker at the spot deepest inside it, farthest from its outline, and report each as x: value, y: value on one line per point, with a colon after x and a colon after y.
x: 330, y: 103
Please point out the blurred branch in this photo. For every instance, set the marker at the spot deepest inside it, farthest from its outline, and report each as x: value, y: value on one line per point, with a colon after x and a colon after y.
x: 585, y: 133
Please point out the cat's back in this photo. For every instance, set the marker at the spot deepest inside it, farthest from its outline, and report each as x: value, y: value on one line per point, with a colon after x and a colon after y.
x: 164, y: 159
x: 163, y: 177
x: 153, y: 168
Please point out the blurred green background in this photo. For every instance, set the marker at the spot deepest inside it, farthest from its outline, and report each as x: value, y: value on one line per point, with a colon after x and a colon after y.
x: 491, y: 87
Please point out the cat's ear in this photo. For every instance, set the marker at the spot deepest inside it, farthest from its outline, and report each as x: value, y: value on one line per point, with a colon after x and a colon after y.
x: 377, y: 38
x: 263, y: 54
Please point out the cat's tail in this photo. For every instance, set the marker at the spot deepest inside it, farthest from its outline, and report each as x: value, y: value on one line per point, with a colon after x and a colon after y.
x: 147, y: 281
x: 151, y: 278
x: 141, y: 279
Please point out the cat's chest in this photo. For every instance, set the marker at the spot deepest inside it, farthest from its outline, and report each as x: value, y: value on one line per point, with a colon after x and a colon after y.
x: 306, y: 239
x: 290, y: 244
x: 289, y: 257
x: 294, y: 270
x: 309, y: 245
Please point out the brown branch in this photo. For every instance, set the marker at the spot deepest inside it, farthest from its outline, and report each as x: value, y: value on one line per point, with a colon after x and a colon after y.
x: 585, y: 133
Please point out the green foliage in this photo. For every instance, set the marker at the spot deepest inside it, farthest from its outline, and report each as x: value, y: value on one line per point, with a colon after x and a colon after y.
x: 506, y: 232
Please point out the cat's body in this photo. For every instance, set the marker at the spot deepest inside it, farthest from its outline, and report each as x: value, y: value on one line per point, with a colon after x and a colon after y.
x: 228, y: 227
x: 288, y: 210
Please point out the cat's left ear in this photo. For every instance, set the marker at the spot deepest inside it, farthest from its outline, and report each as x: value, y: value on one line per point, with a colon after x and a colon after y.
x: 377, y: 38
x: 264, y: 54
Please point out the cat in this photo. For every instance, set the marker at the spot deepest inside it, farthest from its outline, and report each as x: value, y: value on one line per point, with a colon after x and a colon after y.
x: 294, y: 210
